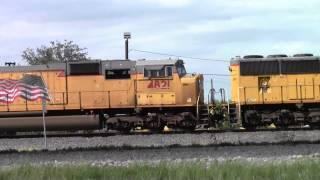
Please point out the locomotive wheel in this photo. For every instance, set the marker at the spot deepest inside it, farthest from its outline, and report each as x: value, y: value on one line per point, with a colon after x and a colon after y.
x: 156, y: 126
x: 314, y: 125
x: 187, y: 125
x: 124, y: 127
x: 248, y: 126
x: 187, y: 122
x: 283, y: 126
x: 154, y: 122
x: 314, y: 120
x: 286, y: 118
x: 251, y: 120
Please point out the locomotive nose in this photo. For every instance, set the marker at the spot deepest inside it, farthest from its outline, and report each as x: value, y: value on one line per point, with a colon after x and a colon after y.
x: 192, y: 88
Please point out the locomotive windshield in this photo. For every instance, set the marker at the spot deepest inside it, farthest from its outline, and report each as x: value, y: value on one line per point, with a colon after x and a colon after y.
x: 181, y: 70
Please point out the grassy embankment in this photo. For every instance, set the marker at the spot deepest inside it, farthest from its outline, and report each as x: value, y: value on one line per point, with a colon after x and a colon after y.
x: 306, y: 169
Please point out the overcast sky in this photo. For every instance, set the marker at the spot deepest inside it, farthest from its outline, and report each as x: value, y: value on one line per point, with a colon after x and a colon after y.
x: 215, y: 29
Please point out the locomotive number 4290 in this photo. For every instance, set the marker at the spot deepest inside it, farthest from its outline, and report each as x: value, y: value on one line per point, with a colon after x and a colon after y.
x: 159, y: 84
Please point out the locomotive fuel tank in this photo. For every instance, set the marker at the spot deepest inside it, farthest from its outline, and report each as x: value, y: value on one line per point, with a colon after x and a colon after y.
x: 53, y: 123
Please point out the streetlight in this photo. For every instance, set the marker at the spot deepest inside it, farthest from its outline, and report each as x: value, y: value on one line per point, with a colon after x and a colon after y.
x: 127, y: 36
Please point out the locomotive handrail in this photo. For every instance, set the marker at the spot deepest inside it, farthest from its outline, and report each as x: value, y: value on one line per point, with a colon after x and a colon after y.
x: 198, y: 100
x: 300, y: 93
x: 228, y: 103
x: 62, y: 102
x: 279, y: 86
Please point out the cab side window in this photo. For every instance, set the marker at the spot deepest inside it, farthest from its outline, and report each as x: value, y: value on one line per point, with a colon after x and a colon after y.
x: 147, y: 73
x: 169, y: 71
x: 166, y: 71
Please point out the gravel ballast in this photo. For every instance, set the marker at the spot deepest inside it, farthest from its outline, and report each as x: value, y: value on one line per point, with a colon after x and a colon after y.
x: 123, y: 150
x: 120, y: 157
x: 162, y: 140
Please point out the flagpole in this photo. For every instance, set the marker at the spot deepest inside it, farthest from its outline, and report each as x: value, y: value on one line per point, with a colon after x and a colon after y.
x: 44, y: 121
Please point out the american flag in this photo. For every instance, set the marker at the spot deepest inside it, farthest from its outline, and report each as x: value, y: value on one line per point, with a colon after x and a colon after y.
x: 30, y: 87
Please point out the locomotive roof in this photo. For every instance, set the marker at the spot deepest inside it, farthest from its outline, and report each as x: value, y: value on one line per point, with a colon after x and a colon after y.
x: 159, y: 62
x: 156, y: 65
x: 118, y: 64
x: 278, y: 65
x: 237, y: 60
x: 107, y: 64
x: 55, y: 66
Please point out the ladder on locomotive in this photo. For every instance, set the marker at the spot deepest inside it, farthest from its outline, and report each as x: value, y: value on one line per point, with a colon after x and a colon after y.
x: 204, y: 116
x: 205, y: 111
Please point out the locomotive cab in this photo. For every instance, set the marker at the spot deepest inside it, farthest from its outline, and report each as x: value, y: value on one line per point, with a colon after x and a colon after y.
x: 164, y: 95
x: 166, y: 83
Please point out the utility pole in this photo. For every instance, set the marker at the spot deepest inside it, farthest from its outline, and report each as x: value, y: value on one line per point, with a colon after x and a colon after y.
x: 127, y: 36
x: 44, y: 110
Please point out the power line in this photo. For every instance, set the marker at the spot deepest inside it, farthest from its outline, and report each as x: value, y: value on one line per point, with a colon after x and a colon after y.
x: 187, y: 57
x: 225, y: 75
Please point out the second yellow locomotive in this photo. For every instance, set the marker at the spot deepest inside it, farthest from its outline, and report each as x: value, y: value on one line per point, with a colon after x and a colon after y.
x: 277, y: 89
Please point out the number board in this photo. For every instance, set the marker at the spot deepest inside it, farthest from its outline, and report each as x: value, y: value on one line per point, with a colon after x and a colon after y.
x: 159, y: 84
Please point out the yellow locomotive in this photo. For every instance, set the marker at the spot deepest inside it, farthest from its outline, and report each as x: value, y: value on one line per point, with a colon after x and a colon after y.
x: 277, y: 89
x: 117, y: 94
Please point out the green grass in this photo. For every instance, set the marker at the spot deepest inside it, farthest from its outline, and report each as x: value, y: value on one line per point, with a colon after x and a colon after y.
x: 302, y: 169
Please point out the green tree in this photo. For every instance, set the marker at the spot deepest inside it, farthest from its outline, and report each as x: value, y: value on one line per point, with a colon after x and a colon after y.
x: 56, y: 52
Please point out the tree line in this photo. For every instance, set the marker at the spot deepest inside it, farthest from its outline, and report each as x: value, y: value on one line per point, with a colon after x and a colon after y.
x: 66, y: 51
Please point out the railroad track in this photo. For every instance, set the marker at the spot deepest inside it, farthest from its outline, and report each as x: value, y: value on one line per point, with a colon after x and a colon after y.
x: 148, y: 140
x: 143, y: 132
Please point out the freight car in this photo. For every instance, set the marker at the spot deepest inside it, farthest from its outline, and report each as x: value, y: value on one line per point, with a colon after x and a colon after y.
x: 277, y: 90
x: 114, y: 94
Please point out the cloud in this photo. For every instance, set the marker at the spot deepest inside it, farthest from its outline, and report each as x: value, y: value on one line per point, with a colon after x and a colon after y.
x: 169, y: 3
x: 216, y: 29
